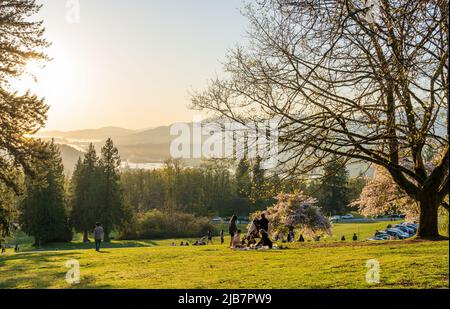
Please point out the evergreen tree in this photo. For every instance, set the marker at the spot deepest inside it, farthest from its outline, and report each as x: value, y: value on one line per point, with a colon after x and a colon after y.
x: 334, y: 195
x: 8, y: 210
x: 112, y: 209
x: 258, y: 191
x: 243, y: 180
x: 21, y: 40
x: 43, y: 212
x: 85, y: 193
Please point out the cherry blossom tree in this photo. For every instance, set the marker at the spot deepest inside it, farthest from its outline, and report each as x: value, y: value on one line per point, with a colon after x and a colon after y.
x: 298, y: 211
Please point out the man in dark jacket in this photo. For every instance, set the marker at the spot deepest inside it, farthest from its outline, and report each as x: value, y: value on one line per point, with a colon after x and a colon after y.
x: 263, y: 223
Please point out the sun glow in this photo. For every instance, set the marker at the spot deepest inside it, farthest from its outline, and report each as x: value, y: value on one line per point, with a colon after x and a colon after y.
x: 46, y: 79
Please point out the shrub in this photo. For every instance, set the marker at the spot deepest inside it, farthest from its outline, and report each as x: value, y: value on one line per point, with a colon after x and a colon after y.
x: 156, y: 224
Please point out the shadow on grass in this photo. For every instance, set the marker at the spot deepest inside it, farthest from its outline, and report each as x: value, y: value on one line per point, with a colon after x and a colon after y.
x: 48, y: 271
x: 91, y: 245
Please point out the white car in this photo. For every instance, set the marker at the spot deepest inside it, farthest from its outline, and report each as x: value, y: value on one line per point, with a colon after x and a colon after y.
x: 349, y: 216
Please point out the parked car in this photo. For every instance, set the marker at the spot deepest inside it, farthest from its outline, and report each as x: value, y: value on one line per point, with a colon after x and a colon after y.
x: 409, y: 224
x: 349, y: 216
x: 242, y: 220
x: 397, y: 233
x: 335, y: 218
x: 398, y: 216
x: 380, y: 237
x: 406, y: 229
x: 217, y: 220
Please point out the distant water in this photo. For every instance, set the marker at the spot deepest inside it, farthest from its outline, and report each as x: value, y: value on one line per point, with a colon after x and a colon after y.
x: 143, y: 166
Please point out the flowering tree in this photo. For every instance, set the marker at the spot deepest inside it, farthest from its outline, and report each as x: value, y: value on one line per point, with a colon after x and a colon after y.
x: 382, y: 196
x: 296, y: 210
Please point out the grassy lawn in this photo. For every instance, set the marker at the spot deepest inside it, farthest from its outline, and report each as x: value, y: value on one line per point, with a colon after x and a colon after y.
x: 329, y: 263
x: 156, y: 264
x: 407, y: 264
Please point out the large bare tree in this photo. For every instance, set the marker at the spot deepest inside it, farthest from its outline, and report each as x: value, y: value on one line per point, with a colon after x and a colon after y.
x: 364, y: 80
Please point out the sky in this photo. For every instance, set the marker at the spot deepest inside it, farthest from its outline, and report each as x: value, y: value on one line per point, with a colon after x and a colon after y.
x: 131, y: 63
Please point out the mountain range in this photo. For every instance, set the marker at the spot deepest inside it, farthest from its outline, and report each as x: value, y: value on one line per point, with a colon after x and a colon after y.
x: 135, y: 146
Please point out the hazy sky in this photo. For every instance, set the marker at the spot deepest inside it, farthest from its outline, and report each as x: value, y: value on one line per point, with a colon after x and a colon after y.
x: 131, y: 63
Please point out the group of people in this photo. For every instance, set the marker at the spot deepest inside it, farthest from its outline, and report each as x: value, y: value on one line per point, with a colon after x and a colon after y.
x: 258, y: 230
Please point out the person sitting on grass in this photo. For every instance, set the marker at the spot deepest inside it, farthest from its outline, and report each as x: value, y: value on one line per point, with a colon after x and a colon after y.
x: 355, y: 237
x: 301, y: 239
x: 236, y: 241
x: 265, y: 240
x: 200, y: 242
x: 343, y: 238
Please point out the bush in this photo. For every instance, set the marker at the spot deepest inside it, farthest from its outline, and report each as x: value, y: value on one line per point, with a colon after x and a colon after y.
x: 156, y: 224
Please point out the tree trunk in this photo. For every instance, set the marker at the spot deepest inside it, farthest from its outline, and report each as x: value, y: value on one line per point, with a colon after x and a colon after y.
x: 85, y: 236
x: 428, y: 221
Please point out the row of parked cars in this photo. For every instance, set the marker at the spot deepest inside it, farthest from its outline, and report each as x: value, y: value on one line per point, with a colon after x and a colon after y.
x: 400, y: 231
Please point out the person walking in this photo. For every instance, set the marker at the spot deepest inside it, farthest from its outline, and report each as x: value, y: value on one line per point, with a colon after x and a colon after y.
x: 232, y: 228
x: 99, y: 235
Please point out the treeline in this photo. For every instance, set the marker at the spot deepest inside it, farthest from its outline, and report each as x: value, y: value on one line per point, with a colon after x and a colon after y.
x: 173, y: 201
x: 222, y: 188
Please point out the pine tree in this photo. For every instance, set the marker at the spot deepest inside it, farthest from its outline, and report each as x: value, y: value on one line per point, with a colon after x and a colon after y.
x: 85, y: 193
x: 43, y: 212
x: 334, y: 195
x: 258, y: 190
x: 243, y: 180
x: 8, y: 210
x: 21, y: 40
x: 112, y: 209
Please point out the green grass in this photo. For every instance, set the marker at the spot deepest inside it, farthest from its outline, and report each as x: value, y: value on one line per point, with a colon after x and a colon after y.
x: 155, y: 264
x: 408, y: 264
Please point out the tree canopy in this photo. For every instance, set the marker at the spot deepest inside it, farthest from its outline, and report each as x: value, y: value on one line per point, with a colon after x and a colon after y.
x: 348, y: 80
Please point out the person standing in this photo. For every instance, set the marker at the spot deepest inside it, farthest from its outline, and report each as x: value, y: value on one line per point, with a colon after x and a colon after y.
x: 222, y: 237
x: 210, y: 237
x: 3, y: 245
x: 263, y: 223
x: 232, y: 228
x: 99, y: 234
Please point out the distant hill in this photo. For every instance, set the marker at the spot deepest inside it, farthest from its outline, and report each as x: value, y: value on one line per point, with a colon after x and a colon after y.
x: 159, y: 135
x: 69, y: 157
x: 89, y: 134
x: 144, y: 146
